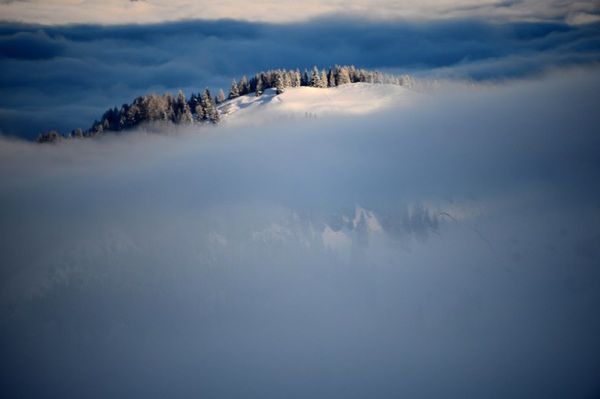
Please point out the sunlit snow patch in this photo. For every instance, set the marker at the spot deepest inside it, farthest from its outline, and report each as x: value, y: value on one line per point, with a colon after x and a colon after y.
x: 312, y: 102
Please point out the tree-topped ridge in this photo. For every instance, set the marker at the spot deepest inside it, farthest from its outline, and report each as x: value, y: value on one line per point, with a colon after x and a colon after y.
x: 202, y: 107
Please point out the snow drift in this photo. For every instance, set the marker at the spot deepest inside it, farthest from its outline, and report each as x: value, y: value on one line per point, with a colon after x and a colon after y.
x: 311, y: 102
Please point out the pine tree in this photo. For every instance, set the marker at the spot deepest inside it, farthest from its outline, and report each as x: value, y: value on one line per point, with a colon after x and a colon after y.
x: 305, y: 79
x: 200, y: 113
x: 332, y: 82
x: 352, y: 72
x: 220, y: 96
x: 323, y: 82
x: 279, y: 83
x: 194, y: 102
x: 210, y: 112
x: 259, y: 85
x: 234, y: 92
x: 343, y: 76
x: 182, y: 113
x: 287, y: 79
x: 244, y: 86
x: 296, y: 78
x: 315, y: 78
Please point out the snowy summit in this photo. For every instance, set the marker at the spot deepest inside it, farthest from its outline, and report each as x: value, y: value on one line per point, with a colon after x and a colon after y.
x: 337, y: 90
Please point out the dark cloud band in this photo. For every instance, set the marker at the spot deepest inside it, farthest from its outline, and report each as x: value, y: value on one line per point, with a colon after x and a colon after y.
x: 61, y: 77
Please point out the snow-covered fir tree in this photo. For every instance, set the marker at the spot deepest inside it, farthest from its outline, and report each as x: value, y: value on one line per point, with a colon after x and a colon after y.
x: 243, y: 86
x: 331, y: 78
x: 323, y: 82
x: 287, y: 79
x: 279, y: 83
x: 296, y: 78
x: 220, y: 96
x: 258, y: 89
x: 305, y: 78
x: 182, y: 112
x: 209, y: 111
x: 315, y: 77
x: 234, y: 92
x: 342, y: 76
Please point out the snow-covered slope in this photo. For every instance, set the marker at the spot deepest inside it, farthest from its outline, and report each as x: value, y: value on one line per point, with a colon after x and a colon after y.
x: 355, y: 98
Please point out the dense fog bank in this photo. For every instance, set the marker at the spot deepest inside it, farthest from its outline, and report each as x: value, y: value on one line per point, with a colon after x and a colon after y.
x: 444, y: 248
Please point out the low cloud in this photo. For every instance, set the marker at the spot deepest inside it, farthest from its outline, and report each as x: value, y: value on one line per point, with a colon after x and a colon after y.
x: 359, y: 256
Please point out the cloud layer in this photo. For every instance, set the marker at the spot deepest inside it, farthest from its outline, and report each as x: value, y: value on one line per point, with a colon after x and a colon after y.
x: 148, y: 11
x: 446, y: 249
x: 64, y: 77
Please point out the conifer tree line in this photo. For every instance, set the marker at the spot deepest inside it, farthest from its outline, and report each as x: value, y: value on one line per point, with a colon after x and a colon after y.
x: 202, y: 107
x: 280, y: 79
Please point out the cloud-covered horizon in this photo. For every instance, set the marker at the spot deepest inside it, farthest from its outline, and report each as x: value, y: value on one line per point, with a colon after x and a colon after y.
x: 151, y: 11
x: 448, y: 249
x: 64, y: 77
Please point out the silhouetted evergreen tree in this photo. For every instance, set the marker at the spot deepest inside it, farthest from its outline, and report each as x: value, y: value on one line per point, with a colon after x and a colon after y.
x: 49, y: 137
x: 305, y: 79
x: 182, y: 112
x: 279, y: 83
x: 234, y: 92
x: 331, y: 79
x: 259, y: 86
x: 243, y: 86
